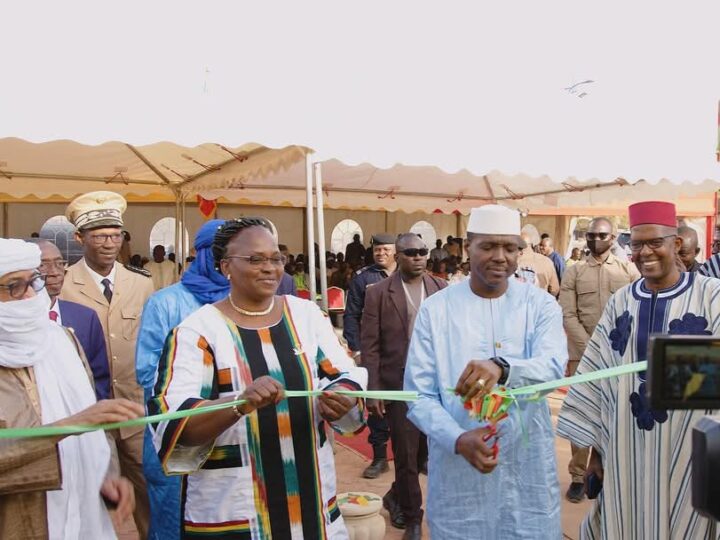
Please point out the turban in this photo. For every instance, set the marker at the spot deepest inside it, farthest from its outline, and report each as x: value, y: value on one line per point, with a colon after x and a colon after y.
x: 202, y: 279
x: 652, y: 213
x: 16, y: 255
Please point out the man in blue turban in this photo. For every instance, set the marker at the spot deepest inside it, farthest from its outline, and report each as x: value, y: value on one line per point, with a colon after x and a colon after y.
x: 200, y: 284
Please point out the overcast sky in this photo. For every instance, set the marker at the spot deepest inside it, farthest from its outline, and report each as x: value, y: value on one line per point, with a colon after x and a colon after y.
x: 476, y: 85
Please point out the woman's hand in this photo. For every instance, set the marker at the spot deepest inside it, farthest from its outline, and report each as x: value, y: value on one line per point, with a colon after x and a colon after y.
x: 261, y: 392
x: 334, y: 406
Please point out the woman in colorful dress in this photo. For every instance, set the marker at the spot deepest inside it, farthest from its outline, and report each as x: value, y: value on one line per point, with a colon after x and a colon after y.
x: 264, y: 469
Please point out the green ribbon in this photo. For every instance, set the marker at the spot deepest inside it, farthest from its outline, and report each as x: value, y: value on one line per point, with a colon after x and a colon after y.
x: 527, y: 393
x: 55, y: 431
x: 535, y: 390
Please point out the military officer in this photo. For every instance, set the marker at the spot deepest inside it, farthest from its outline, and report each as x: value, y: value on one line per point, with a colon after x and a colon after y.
x: 383, y: 246
x: 117, y: 293
x: 585, y: 289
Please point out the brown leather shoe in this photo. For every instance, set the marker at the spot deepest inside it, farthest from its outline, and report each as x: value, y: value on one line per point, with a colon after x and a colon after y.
x: 397, y: 516
x: 376, y: 468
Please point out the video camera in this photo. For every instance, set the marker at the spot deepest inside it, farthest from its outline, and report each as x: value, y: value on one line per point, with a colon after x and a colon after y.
x: 684, y: 373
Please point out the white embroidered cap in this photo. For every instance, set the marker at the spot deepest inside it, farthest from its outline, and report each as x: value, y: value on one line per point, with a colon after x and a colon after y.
x: 494, y: 219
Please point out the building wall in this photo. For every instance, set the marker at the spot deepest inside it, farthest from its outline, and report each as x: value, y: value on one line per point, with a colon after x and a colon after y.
x: 25, y: 218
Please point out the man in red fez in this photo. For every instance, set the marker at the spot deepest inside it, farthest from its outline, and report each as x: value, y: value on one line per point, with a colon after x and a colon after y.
x: 641, y: 456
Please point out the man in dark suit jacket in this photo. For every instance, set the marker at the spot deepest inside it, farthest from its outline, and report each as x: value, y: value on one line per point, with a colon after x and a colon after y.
x: 81, y: 320
x: 387, y: 323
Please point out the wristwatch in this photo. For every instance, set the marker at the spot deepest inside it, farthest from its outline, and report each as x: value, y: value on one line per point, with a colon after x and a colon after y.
x: 504, y: 366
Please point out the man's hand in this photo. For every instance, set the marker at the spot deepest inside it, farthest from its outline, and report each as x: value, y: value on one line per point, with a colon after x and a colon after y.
x: 261, y: 392
x: 376, y: 407
x: 106, y: 411
x: 595, y: 466
x: 334, y: 406
x: 120, y: 493
x: 478, y: 378
x: 472, y: 445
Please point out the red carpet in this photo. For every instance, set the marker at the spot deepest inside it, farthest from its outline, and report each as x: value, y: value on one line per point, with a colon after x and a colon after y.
x: 359, y: 444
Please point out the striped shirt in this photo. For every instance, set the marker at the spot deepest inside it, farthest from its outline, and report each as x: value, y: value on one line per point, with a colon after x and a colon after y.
x: 645, y: 453
x: 711, y: 267
x: 272, y: 474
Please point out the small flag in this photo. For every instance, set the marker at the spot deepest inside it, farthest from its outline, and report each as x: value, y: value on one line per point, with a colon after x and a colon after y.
x: 207, y: 207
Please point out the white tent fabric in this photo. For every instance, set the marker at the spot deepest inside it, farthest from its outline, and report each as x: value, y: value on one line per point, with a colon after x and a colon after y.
x: 66, y: 168
x: 254, y: 174
x: 475, y: 86
x: 429, y: 189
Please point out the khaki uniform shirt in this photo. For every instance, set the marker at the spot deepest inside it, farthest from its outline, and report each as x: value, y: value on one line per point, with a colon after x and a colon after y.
x: 120, y: 321
x: 162, y: 274
x: 546, y: 276
x: 586, y: 288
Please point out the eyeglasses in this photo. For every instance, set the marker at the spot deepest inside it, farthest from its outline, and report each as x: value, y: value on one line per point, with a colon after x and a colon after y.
x: 100, y: 239
x: 52, y: 265
x: 17, y: 289
x: 415, y: 252
x: 598, y: 236
x: 653, y: 243
x: 259, y: 260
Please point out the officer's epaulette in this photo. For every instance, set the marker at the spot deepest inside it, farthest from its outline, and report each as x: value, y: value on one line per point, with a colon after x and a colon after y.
x: 137, y: 270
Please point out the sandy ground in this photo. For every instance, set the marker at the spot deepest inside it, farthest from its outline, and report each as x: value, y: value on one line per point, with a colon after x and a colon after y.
x: 350, y: 465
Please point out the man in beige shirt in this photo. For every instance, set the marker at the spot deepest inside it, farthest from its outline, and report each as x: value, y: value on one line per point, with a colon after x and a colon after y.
x: 161, y: 269
x: 117, y: 294
x: 586, y: 288
x: 542, y: 270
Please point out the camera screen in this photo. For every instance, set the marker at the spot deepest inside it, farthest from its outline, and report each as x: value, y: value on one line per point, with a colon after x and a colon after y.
x: 692, y: 373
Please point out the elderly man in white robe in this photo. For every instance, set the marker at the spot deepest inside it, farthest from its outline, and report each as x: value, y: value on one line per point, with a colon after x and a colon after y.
x: 489, y: 330
x: 50, y: 487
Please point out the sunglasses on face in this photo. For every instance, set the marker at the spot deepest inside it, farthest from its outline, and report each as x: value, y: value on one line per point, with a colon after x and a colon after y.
x: 17, y: 289
x: 415, y: 252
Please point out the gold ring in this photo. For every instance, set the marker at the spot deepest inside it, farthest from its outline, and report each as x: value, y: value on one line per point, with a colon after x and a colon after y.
x: 481, y: 383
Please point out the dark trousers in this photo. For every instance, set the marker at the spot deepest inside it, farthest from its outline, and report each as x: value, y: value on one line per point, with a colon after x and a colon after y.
x: 407, y: 441
x: 379, y: 435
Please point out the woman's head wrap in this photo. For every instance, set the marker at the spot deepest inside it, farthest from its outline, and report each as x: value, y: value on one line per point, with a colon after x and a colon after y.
x: 202, y: 279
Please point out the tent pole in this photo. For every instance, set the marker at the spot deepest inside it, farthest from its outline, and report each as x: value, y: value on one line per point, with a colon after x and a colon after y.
x: 177, y: 230
x: 321, y: 235
x: 309, y: 220
x: 5, y: 221
x: 183, y: 234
